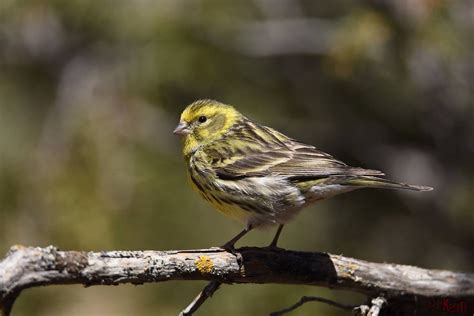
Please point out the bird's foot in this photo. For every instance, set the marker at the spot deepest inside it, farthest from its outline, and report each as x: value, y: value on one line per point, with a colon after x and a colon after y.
x: 229, y: 246
x: 273, y: 247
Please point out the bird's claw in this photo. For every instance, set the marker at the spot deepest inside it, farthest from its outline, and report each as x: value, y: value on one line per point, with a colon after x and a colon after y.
x: 273, y: 247
x: 229, y: 247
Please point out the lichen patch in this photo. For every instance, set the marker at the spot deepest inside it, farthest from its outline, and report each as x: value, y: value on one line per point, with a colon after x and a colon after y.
x: 204, y: 264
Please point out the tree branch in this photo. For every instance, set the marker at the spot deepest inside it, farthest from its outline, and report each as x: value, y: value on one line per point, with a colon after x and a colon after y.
x: 377, y: 305
x: 26, y: 267
x: 206, y: 293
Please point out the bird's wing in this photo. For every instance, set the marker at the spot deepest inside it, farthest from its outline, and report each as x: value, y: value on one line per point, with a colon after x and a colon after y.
x: 286, y: 157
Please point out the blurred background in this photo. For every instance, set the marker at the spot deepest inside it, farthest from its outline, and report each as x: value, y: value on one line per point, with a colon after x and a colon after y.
x: 90, y: 92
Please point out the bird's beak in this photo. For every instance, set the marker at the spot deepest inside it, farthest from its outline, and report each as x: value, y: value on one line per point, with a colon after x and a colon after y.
x: 182, y: 129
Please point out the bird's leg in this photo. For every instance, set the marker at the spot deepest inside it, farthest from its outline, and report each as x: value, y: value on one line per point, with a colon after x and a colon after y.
x: 230, y: 244
x: 274, y: 242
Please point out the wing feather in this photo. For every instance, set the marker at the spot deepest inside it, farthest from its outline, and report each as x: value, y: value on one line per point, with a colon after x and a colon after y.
x: 273, y: 153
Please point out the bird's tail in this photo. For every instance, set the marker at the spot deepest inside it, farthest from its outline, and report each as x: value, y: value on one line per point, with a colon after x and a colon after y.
x: 381, y: 183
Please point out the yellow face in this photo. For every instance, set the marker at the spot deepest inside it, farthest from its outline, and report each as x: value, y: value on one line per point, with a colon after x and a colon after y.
x: 203, y: 122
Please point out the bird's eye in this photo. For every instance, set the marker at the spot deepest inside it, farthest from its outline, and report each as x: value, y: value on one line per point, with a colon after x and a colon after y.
x: 202, y: 119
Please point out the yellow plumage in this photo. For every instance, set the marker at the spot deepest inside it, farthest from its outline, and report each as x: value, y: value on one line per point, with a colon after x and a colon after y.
x: 256, y: 174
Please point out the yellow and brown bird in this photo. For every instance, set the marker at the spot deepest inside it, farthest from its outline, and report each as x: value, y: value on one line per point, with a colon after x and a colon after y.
x: 256, y: 174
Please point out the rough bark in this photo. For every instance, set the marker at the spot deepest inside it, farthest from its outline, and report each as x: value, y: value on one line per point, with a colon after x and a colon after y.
x: 26, y: 267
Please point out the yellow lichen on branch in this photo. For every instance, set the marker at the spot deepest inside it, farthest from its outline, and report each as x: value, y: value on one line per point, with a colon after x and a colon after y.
x: 204, y: 264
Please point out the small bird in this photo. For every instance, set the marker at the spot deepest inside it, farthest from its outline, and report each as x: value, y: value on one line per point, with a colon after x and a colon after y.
x: 256, y: 174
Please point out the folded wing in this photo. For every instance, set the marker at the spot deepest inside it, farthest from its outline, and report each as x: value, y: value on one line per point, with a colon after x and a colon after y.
x: 286, y: 158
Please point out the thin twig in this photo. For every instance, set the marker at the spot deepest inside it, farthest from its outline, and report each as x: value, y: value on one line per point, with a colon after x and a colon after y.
x: 206, y: 293
x: 374, y: 310
x: 377, y: 305
x: 361, y: 310
x: 6, y: 304
x: 306, y: 299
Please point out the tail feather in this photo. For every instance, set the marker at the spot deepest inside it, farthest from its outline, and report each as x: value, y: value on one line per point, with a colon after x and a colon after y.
x: 381, y: 183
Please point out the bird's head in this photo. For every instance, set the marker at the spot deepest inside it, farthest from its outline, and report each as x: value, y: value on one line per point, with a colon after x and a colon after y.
x: 205, y: 121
